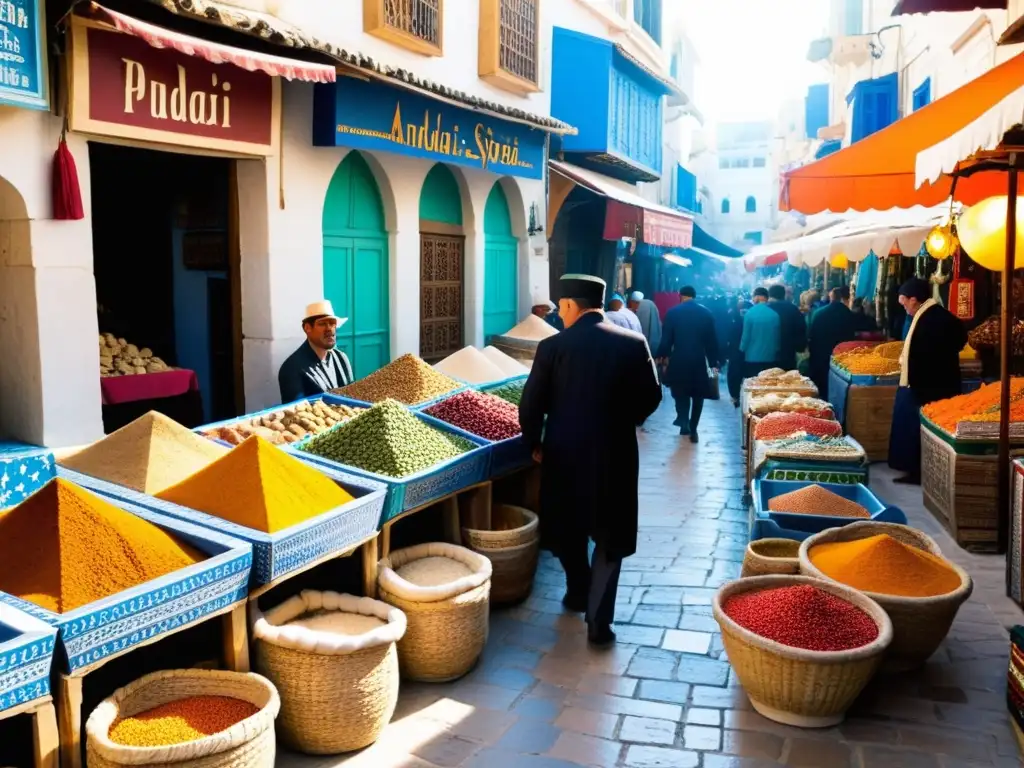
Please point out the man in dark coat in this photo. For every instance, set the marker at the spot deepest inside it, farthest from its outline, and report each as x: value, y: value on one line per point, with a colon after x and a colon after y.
x: 929, y: 371
x: 832, y: 325
x: 595, y: 383
x: 690, y: 345
x: 735, y: 354
x: 793, y: 331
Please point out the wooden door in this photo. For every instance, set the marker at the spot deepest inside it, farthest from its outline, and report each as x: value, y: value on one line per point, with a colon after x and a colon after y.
x: 442, y: 262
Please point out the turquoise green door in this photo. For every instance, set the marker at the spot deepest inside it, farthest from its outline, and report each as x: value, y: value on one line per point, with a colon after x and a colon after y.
x: 356, y: 275
x: 501, y: 266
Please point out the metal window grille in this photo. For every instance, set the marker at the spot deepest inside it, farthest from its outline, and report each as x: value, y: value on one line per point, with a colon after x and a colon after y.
x: 518, y: 43
x: 419, y: 18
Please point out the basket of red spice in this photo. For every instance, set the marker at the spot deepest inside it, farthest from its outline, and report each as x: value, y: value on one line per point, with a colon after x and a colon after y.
x: 901, y: 569
x: 802, y: 648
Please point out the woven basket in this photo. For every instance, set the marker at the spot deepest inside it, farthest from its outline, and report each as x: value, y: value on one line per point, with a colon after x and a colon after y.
x: 809, y: 689
x: 248, y: 744
x: 447, y: 624
x: 771, y: 556
x: 337, y: 691
x: 920, y: 624
x: 513, y: 552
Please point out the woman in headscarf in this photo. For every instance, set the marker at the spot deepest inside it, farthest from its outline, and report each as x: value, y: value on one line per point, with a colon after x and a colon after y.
x: 929, y: 371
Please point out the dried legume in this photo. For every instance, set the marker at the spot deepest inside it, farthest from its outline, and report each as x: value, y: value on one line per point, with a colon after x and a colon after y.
x: 815, y: 500
x: 488, y: 416
x: 778, y: 425
x: 802, y: 616
x: 408, y: 380
x: 512, y: 392
x: 179, y: 721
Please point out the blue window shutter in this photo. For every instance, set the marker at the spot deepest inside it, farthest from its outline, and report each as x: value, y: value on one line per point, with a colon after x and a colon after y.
x: 816, y: 109
x: 853, y: 18
x: 923, y: 94
x: 875, y: 105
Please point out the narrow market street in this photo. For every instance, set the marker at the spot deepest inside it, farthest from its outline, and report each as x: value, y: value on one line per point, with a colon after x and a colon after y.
x: 664, y: 696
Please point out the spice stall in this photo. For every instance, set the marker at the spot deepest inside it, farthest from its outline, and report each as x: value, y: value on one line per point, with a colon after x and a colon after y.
x: 862, y: 389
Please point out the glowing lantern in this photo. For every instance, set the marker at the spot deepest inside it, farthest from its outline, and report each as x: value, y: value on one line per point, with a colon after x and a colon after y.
x: 839, y: 261
x: 941, y: 242
x: 982, y: 230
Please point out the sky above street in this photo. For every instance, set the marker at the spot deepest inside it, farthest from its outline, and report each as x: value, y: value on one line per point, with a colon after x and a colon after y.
x: 753, y: 54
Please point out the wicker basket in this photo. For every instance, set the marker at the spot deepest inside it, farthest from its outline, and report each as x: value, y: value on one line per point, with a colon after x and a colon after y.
x: 337, y: 691
x: 248, y: 744
x: 920, y: 624
x: 447, y: 624
x: 513, y: 551
x: 809, y: 689
x: 769, y: 556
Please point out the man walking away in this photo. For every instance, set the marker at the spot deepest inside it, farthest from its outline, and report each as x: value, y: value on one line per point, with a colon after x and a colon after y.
x: 735, y: 356
x: 620, y: 315
x: 832, y: 325
x: 690, y: 345
x: 792, y: 329
x: 929, y: 371
x: 646, y: 312
x: 594, y: 383
x: 762, y: 331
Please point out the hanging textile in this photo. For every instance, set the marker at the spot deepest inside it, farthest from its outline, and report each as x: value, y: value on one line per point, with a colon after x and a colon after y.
x: 867, y: 277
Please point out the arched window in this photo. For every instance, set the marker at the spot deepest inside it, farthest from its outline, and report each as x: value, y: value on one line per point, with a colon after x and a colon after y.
x: 751, y: 204
x: 725, y: 205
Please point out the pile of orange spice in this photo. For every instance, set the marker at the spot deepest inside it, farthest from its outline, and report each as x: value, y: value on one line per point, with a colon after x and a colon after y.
x: 180, y: 721
x: 975, y: 406
x: 885, y: 566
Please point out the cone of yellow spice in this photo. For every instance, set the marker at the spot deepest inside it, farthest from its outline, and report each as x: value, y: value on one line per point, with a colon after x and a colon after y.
x: 259, y: 486
x: 65, y: 547
x: 885, y: 566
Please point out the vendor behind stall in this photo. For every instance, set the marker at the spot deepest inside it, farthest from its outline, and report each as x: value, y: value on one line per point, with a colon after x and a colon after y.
x: 317, y: 366
x: 929, y: 371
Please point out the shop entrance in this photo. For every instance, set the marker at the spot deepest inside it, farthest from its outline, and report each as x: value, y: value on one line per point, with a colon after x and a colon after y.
x: 167, y: 278
x: 442, y: 265
x: 356, y: 264
x: 501, y: 273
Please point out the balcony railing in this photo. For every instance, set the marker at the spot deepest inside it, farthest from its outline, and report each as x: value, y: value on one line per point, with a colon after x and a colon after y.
x: 412, y: 24
x: 508, y: 46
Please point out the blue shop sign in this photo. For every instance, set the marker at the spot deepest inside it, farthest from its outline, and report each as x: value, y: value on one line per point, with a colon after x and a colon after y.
x: 366, y: 115
x: 23, y: 79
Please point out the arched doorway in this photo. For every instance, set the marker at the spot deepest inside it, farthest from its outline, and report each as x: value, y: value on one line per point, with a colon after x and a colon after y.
x: 442, y: 265
x: 501, y: 266
x: 356, y: 279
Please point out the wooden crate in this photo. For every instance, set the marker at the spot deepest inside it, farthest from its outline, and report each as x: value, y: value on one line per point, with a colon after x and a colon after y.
x: 962, y: 491
x: 869, y: 418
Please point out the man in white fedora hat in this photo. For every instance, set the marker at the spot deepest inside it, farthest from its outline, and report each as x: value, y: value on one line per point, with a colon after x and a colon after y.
x: 317, y: 366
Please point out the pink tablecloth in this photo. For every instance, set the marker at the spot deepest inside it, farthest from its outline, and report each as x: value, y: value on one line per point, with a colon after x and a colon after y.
x: 147, y: 386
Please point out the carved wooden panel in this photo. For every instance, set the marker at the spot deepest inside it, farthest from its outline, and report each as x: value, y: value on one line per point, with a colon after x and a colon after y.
x: 441, y: 289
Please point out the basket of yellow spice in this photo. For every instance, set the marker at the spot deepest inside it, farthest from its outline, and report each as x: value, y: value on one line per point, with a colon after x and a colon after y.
x: 901, y: 569
x: 190, y: 717
x: 444, y: 591
x: 334, y: 661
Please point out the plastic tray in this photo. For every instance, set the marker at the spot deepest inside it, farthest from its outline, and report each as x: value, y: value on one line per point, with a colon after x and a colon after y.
x: 26, y: 656
x: 426, y: 486
x: 24, y: 469
x: 276, y: 554
x: 113, y: 625
x: 793, y: 526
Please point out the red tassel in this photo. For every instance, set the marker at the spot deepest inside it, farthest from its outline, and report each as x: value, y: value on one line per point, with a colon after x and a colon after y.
x: 67, y: 195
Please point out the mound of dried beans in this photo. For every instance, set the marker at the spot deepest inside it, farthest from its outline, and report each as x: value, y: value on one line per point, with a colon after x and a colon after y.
x: 484, y: 415
x: 776, y: 426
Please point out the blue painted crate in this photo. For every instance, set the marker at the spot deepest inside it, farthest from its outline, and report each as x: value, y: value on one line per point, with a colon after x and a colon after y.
x: 114, y: 625
x: 799, y: 527
x: 426, y: 486
x: 275, y: 554
x: 501, y: 383
x: 864, y: 379
x: 426, y: 403
x: 24, y: 469
x: 26, y: 656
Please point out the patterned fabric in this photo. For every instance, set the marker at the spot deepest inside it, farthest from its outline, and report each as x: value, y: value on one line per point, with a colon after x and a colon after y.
x: 24, y: 469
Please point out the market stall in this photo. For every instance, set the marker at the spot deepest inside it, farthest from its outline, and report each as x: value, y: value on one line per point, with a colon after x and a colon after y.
x: 862, y: 389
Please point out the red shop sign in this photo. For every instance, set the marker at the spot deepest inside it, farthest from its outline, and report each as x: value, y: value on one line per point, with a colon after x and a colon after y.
x: 668, y: 231
x: 123, y: 87
x: 961, y: 298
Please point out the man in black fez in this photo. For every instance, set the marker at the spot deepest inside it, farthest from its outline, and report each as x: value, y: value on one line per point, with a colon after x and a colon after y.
x: 590, y: 387
x: 929, y: 371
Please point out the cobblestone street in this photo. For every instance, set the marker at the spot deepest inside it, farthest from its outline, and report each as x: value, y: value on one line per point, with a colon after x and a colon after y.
x: 664, y: 697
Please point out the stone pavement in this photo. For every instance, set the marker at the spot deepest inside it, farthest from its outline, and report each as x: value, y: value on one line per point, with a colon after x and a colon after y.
x: 664, y: 697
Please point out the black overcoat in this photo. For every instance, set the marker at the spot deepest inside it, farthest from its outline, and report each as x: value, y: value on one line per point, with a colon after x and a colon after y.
x: 689, y: 341
x: 831, y: 325
x: 933, y: 370
x: 792, y: 332
x: 595, y: 383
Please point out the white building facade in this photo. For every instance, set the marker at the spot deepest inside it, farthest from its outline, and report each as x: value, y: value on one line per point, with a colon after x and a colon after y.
x: 423, y: 229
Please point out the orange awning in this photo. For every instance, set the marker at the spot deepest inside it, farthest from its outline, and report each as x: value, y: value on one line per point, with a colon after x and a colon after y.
x: 878, y: 172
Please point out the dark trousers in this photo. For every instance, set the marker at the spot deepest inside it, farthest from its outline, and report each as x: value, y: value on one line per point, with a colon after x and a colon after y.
x: 688, y: 410
x: 597, y: 578
x: 905, y: 433
x: 734, y: 376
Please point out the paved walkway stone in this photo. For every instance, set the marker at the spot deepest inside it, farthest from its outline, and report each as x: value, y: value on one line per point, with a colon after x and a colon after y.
x: 664, y: 697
